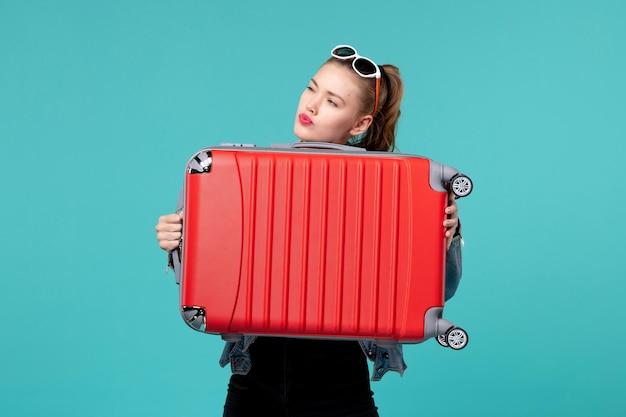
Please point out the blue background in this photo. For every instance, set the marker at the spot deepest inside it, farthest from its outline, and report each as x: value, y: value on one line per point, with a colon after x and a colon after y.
x: 102, y: 103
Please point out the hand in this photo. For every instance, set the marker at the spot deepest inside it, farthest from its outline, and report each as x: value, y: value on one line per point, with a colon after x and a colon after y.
x: 452, y: 221
x: 169, y: 231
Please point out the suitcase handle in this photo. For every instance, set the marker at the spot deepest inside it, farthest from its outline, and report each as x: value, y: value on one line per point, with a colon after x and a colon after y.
x: 326, y: 145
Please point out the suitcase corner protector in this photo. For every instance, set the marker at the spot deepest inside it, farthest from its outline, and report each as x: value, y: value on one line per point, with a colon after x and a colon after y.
x: 201, y: 162
x: 195, y: 317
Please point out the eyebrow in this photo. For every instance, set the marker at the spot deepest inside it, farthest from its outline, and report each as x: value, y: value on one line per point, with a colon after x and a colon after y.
x: 329, y: 92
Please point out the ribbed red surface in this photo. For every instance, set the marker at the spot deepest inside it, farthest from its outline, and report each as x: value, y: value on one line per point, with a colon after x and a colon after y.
x: 314, y: 244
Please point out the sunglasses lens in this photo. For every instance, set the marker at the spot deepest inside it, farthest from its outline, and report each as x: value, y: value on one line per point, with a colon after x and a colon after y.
x: 344, y: 51
x: 365, y: 66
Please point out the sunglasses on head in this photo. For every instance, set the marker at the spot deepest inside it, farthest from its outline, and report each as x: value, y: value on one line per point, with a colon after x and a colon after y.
x: 363, y: 66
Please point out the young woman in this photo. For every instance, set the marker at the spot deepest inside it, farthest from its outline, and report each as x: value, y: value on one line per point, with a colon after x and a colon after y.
x: 350, y: 100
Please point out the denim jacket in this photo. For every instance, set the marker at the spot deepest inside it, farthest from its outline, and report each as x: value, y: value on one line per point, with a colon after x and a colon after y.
x: 385, y: 359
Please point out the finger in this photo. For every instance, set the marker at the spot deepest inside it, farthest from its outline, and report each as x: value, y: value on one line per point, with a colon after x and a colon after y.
x: 452, y: 215
x: 452, y: 207
x: 171, y: 222
x: 450, y: 223
x: 171, y: 218
x: 165, y: 236
x: 169, y: 245
x: 169, y: 227
x: 448, y: 238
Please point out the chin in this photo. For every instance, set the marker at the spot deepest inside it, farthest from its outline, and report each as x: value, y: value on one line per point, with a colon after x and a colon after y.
x: 301, y: 135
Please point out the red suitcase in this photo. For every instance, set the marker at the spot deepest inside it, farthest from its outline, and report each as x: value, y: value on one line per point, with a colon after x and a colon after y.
x: 316, y: 243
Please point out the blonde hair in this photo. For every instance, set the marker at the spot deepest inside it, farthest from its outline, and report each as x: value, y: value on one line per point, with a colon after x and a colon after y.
x: 381, y: 135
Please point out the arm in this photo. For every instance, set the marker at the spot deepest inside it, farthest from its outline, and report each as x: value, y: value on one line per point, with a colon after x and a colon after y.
x: 169, y: 234
x: 453, y: 257
x: 454, y: 267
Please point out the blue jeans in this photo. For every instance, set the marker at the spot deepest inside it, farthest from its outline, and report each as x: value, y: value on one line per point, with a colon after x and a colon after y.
x: 333, y: 381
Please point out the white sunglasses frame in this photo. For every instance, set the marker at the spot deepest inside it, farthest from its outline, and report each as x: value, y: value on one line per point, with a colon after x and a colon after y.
x: 355, y: 56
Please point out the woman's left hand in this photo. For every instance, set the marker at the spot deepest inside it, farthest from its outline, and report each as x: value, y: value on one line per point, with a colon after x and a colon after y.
x: 452, y: 221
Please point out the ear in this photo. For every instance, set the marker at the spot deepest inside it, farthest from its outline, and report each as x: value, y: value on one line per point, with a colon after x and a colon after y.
x: 361, y: 125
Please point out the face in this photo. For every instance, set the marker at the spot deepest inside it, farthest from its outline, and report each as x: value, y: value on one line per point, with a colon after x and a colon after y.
x: 330, y: 107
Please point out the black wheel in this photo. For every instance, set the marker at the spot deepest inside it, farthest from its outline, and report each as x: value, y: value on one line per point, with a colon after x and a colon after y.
x: 441, y: 339
x: 461, y: 185
x: 456, y: 338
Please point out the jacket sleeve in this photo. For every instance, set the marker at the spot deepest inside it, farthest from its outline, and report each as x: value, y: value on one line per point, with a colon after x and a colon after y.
x: 453, y: 267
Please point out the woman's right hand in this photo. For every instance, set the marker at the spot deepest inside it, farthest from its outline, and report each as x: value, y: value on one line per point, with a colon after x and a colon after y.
x: 169, y: 231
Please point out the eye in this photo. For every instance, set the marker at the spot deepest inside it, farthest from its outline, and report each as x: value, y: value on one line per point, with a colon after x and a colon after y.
x: 332, y: 102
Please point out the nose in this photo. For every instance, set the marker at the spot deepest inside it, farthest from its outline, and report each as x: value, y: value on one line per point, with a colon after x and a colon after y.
x: 311, y: 105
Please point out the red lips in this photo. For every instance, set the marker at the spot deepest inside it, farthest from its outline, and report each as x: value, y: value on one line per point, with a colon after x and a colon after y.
x: 304, y: 119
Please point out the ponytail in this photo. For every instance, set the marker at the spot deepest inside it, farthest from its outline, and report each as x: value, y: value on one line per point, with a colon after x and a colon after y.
x: 381, y: 135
